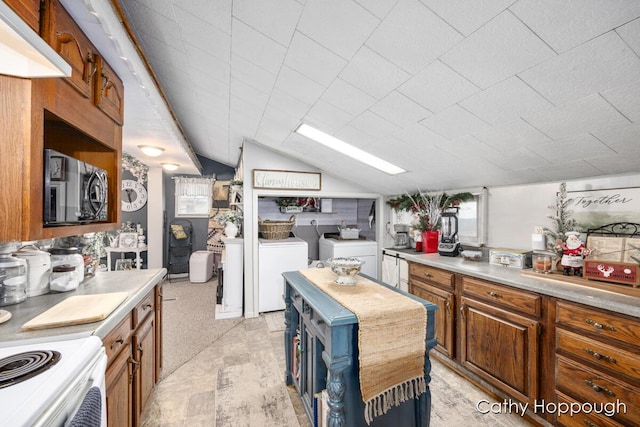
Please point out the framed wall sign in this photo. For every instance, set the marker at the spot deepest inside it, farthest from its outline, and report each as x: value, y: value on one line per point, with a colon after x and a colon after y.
x: 594, y: 208
x: 286, y: 180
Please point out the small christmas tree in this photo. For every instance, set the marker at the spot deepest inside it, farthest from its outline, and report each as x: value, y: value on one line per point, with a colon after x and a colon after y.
x: 562, y: 221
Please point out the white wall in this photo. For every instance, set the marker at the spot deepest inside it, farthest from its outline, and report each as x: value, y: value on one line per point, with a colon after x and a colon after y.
x: 514, y: 211
x: 155, y: 231
x: 259, y: 157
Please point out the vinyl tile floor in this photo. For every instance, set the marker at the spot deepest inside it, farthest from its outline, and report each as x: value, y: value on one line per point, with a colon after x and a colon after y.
x: 238, y: 381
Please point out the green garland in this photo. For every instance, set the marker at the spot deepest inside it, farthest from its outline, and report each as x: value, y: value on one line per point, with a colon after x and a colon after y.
x: 135, y: 166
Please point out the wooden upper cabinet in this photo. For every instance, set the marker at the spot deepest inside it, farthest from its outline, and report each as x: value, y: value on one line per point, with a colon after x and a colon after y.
x: 66, y: 38
x: 109, y: 91
x: 28, y: 10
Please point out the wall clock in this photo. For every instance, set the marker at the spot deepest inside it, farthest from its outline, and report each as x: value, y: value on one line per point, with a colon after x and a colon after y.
x: 134, y: 195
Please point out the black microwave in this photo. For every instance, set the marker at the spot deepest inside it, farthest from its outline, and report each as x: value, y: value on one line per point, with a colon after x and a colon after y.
x: 75, y: 192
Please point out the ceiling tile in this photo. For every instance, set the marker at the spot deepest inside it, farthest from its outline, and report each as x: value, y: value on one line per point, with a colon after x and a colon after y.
x: 312, y: 60
x: 379, y: 8
x: 275, y: 19
x: 568, y: 23
x: 467, y: 16
x: 580, y: 147
x: 575, y: 118
x: 420, y: 137
x: 204, y: 36
x: 341, y: 26
x: 251, y: 98
x: 204, y: 62
x: 399, y: 109
x: 161, y: 27
x: 217, y: 13
x: 630, y: 33
x: 501, y: 48
x: 468, y: 147
x: 347, y: 97
x: 601, y: 64
x: 454, y: 122
x: 252, y: 74
x: 570, y: 170
x: 412, y: 36
x: 373, y: 74
x: 516, y: 159
x: 504, y: 102
x: 617, y: 164
x: 511, y: 135
x: 437, y: 87
x: 626, y: 99
x: 374, y: 125
x: 298, y: 85
x: 622, y: 139
x: 286, y: 103
x: 256, y: 47
x: 326, y: 117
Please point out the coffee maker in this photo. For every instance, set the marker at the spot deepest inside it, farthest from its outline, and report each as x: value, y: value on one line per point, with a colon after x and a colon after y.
x: 401, y: 237
x: 449, y: 244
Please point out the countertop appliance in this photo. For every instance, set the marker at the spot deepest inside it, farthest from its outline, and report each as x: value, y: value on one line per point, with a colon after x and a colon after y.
x: 401, y: 237
x: 274, y: 258
x: 54, y: 378
x: 74, y: 191
x: 331, y: 246
x: 449, y: 244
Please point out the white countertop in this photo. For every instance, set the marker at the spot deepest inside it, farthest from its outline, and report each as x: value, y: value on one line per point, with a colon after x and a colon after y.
x: 618, y: 303
x: 137, y: 283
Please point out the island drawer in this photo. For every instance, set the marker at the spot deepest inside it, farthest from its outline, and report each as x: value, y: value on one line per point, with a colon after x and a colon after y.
x: 598, y: 323
x: 603, y: 355
x: 117, y: 339
x: 582, y: 418
x: 144, y: 307
x: 432, y: 275
x: 505, y: 296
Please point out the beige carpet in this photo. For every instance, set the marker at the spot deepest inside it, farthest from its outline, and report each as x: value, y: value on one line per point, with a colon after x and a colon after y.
x: 189, y: 324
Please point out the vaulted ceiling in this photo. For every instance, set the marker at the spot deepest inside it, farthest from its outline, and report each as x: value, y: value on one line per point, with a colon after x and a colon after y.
x: 460, y: 93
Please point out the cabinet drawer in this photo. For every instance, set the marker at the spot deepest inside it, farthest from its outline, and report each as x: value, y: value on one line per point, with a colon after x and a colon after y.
x: 144, y: 307
x: 118, y: 338
x: 28, y: 10
x: 502, y: 295
x: 588, y: 385
x: 581, y: 419
x: 603, y: 355
x: 432, y: 275
x: 602, y: 324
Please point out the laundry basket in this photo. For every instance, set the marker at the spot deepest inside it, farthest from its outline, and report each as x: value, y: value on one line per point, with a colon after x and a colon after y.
x: 276, y: 230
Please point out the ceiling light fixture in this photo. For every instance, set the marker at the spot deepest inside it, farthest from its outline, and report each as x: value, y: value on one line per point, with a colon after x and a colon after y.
x: 170, y: 166
x: 348, y: 149
x: 24, y: 53
x: 151, y: 150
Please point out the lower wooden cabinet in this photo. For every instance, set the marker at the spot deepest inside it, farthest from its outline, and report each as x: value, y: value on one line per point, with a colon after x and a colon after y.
x: 133, y: 366
x: 597, y: 363
x: 444, y: 327
x: 501, y: 347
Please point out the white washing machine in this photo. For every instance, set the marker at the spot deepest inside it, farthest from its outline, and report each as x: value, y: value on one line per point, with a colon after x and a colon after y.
x: 274, y: 258
x: 367, y: 250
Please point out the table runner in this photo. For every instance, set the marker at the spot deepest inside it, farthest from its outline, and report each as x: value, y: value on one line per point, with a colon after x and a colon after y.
x: 391, y: 339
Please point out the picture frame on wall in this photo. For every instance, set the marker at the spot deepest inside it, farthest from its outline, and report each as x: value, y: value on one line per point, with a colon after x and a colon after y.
x: 221, y: 193
x: 595, y: 208
x: 286, y: 180
x: 128, y: 240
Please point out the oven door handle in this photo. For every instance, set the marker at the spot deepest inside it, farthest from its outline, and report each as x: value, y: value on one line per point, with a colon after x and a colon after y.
x: 97, y: 205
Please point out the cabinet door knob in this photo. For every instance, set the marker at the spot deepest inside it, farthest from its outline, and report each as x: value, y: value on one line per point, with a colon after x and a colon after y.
x: 494, y: 294
x: 428, y: 275
x: 118, y: 340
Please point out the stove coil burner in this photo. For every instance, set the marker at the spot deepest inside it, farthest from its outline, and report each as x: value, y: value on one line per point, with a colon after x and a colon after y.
x: 22, y: 366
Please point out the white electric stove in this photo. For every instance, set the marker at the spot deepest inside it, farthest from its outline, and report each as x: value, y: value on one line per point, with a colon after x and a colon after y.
x: 68, y: 374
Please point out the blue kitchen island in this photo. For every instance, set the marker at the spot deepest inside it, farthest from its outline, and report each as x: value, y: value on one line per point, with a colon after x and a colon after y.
x: 321, y: 347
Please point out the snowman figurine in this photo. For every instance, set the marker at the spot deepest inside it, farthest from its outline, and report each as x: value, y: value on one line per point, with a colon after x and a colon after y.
x: 573, y: 250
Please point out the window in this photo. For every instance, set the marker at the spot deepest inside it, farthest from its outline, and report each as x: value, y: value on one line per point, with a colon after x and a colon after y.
x: 193, y: 197
x: 472, y: 220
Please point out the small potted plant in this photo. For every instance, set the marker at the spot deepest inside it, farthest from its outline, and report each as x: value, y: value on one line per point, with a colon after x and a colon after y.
x: 289, y: 204
x: 231, y: 220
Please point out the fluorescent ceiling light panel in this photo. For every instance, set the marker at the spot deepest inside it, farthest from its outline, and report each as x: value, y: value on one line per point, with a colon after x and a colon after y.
x: 24, y: 53
x: 348, y: 149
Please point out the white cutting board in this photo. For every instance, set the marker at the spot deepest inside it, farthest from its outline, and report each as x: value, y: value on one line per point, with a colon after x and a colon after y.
x: 77, y: 310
